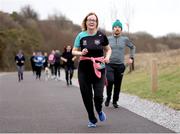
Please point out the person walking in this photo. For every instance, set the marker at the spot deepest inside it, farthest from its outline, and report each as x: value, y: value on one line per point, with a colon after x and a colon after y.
x: 39, y: 62
x: 93, y: 48
x: 57, y: 64
x: 20, y: 59
x: 33, y: 63
x: 46, y: 66
x: 51, y: 61
x: 115, y: 68
x: 46, y: 60
x: 68, y: 62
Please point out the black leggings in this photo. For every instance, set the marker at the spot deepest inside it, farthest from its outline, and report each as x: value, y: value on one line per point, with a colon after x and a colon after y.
x: 91, y: 88
x: 38, y: 72
x: 57, y: 69
x: 69, y: 71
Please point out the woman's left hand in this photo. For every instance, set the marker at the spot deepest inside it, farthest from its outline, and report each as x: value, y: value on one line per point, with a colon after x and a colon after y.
x: 106, y: 60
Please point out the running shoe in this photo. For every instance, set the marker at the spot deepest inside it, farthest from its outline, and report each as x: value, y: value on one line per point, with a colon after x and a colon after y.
x: 91, y: 125
x: 106, y: 103
x: 102, y: 116
x: 115, y: 105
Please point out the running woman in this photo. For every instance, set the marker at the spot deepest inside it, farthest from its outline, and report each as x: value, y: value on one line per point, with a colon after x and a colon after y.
x: 93, y: 48
x: 68, y: 60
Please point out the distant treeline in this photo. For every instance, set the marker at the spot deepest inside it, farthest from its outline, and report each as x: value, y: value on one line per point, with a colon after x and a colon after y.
x: 23, y: 30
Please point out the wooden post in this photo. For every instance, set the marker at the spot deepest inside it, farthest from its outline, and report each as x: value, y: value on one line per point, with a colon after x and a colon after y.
x: 154, y: 76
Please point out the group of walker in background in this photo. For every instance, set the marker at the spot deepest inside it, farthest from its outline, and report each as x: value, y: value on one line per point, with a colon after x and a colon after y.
x: 49, y: 63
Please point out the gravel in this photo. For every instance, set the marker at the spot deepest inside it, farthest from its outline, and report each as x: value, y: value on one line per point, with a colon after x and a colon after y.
x: 155, y: 112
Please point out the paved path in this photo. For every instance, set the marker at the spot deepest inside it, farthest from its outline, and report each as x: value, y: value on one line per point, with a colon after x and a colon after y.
x: 34, y: 106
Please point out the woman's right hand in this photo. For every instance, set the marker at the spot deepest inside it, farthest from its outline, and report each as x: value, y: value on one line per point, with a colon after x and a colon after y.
x: 84, y: 51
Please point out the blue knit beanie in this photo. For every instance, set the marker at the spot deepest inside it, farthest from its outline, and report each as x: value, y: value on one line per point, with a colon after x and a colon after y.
x: 117, y: 23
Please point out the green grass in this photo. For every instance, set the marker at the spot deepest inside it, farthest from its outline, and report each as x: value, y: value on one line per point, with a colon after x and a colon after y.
x: 168, y: 92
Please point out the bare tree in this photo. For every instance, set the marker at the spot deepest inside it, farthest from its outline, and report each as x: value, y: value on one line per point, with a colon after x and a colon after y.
x: 128, y: 13
x: 114, y: 10
x: 122, y: 9
x: 29, y: 13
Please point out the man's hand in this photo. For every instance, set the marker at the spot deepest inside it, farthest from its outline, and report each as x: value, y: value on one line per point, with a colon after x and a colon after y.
x: 130, y: 61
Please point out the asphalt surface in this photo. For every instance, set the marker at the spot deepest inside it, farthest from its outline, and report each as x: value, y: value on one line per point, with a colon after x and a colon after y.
x: 39, y: 106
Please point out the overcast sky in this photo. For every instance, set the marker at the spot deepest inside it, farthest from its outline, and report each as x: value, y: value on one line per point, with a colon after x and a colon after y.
x: 157, y: 17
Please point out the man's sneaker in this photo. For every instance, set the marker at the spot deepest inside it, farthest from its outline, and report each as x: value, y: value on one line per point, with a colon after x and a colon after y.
x: 106, y: 103
x: 70, y: 82
x: 67, y: 83
x: 115, y: 105
x: 102, y: 116
x: 91, y: 125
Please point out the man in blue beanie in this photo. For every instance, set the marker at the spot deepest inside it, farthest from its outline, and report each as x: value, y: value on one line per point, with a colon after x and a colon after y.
x: 116, y: 66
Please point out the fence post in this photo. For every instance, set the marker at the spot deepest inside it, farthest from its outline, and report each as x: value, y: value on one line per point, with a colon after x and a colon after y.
x: 154, y: 76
